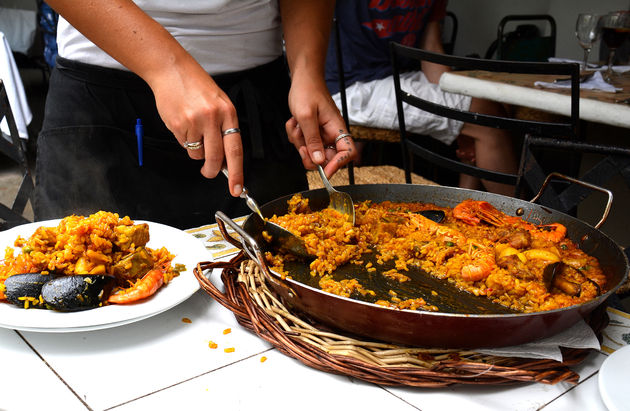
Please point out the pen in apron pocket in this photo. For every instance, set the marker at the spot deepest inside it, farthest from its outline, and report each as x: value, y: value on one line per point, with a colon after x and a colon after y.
x: 139, y: 135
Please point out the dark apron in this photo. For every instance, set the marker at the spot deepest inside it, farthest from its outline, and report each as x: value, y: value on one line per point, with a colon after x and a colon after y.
x: 87, y: 157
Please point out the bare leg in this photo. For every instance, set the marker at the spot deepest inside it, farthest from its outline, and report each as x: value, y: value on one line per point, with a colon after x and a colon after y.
x: 494, y: 149
x: 466, y: 154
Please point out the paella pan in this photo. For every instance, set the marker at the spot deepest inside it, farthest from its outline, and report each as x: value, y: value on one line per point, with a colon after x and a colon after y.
x: 462, y: 320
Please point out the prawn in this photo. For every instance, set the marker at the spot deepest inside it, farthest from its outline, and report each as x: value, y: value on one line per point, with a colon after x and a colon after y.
x: 473, y: 212
x: 143, y: 288
x: 482, y: 265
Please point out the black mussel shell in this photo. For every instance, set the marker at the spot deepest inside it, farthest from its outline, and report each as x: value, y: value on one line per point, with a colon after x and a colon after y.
x: 77, y: 292
x: 22, y: 287
x: 434, y: 215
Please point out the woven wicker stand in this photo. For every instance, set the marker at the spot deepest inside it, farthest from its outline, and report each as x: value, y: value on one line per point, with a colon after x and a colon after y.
x: 257, y: 308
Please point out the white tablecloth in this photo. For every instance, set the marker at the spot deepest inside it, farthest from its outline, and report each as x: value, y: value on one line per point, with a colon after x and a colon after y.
x: 15, y: 91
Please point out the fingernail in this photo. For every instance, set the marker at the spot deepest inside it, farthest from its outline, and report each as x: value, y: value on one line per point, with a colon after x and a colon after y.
x: 318, y: 156
x: 303, y: 153
x: 238, y: 189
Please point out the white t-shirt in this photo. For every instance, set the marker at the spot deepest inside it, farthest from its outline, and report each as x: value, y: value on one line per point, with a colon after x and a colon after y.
x: 222, y: 35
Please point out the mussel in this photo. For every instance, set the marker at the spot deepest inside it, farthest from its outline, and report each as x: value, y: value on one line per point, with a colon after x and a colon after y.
x: 434, y: 215
x: 566, y: 279
x: 24, y: 290
x: 61, y: 293
x: 77, y: 292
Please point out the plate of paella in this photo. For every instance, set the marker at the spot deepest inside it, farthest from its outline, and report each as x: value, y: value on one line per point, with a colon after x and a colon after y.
x: 95, y: 272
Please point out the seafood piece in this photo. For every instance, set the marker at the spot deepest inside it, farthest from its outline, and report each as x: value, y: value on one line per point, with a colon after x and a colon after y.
x: 141, y: 289
x: 24, y: 290
x: 77, y: 292
x: 483, y: 262
x: 134, y: 265
x: 569, y: 280
x: 474, y: 212
x: 128, y: 236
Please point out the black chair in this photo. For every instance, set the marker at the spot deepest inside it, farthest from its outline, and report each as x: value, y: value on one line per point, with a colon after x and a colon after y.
x: 360, y: 133
x: 526, y: 42
x: 12, y: 214
x: 449, y: 32
x: 564, y: 195
x: 377, y: 137
x: 413, y: 146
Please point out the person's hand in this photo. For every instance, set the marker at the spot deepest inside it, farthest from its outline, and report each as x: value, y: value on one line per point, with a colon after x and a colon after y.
x: 317, y: 129
x: 199, y: 113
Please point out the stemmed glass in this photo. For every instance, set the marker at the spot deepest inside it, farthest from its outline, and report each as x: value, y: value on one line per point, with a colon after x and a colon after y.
x: 615, y: 28
x: 587, y: 32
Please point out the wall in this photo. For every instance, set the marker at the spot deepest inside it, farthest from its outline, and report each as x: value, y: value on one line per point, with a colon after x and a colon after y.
x: 478, y: 21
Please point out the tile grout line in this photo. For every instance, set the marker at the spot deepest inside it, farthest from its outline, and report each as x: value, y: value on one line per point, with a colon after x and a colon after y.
x: 52, y: 369
x: 188, y: 379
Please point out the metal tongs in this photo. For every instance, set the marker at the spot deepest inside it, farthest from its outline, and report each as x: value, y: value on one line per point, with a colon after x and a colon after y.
x: 280, y: 236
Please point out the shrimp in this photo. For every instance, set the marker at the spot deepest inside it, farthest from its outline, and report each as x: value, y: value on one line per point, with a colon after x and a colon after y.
x: 554, y: 232
x: 482, y: 265
x: 143, y: 288
x: 473, y: 212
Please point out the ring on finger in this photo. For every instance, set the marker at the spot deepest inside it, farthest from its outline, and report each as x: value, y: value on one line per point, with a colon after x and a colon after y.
x: 230, y: 131
x: 193, y: 146
x: 331, y: 147
x: 342, y: 135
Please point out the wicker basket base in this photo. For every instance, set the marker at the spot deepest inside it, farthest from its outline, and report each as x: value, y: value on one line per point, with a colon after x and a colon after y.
x: 258, y: 309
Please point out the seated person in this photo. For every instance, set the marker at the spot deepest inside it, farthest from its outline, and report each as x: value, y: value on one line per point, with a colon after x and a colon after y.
x: 366, y: 28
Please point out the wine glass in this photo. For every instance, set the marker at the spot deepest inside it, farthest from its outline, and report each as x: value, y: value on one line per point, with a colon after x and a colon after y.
x: 587, y: 32
x: 615, y: 28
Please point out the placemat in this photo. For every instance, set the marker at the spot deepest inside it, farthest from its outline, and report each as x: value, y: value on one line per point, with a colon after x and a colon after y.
x: 257, y: 308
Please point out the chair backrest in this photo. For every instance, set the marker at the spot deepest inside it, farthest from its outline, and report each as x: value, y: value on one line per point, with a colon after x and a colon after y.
x: 610, y: 160
x: 12, y: 214
x: 526, y: 42
x: 449, y: 32
x: 413, y: 146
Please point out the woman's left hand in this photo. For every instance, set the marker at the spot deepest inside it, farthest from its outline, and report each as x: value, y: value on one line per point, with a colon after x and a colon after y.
x: 317, y: 129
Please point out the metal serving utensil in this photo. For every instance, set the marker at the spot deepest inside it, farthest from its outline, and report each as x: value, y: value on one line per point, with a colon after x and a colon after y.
x: 280, y: 237
x: 339, y: 201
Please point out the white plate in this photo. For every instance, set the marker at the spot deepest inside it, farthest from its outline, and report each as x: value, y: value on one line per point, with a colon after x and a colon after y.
x: 613, y: 380
x: 187, y: 250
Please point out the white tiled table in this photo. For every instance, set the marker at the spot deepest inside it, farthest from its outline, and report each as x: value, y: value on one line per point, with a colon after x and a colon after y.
x: 164, y: 363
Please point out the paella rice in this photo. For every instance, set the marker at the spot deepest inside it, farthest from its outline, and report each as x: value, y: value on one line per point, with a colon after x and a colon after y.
x: 477, y: 248
x: 100, y: 244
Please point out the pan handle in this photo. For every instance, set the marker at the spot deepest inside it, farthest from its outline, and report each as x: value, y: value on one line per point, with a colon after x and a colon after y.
x: 251, y: 248
x: 583, y: 184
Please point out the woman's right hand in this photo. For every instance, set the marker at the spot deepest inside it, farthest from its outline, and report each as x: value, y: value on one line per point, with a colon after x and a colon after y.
x: 195, y: 109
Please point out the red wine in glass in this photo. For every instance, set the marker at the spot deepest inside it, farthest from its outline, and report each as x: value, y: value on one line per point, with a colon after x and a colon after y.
x: 614, y: 36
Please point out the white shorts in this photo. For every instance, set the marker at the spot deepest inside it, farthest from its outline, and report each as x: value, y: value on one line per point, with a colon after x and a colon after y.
x: 373, y: 104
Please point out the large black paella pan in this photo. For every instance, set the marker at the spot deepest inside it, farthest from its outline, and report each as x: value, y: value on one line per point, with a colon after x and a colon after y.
x: 463, y: 320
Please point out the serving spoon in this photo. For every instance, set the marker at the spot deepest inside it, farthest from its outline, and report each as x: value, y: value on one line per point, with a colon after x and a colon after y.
x: 339, y: 201
x: 280, y: 237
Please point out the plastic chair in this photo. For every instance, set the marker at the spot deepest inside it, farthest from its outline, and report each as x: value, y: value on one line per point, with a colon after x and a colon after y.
x: 418, y: 146
x: 526, y: 42
x: 12, y: 214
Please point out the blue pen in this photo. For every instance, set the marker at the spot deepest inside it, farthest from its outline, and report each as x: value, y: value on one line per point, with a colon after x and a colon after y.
x: 139, y: 135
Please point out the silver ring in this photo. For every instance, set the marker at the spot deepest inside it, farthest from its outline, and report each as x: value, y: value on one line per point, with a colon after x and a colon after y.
x: 193, y: 146
x: 231, y: 131
x: 340, y: 136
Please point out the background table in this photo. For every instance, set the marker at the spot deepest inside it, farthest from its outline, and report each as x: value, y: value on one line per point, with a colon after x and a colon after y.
x: 519, y: 89
x: 166, y: 363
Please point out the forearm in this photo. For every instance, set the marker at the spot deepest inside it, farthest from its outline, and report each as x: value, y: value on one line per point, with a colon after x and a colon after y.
x: 432, y: 41
x: 126, y: 33
x: 306, y: 26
